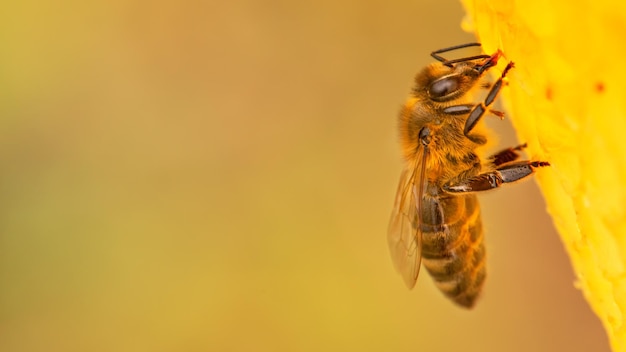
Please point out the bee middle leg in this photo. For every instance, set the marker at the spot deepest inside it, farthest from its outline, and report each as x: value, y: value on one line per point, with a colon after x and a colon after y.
x: 506, y: 173
x: 506, y: 155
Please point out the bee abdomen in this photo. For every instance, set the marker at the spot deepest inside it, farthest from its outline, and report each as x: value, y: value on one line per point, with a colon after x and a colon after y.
x: 454, y: 254
x: 460, y: 276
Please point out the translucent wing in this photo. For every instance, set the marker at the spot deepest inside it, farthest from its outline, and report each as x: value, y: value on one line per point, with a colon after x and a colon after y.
x: 404, y: 236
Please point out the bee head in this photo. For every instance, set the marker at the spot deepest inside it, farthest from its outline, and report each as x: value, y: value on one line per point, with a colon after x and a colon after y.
x: 441, y: 82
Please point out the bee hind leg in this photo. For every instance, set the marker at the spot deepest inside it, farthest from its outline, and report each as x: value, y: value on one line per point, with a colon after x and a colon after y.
x: 507, y: 173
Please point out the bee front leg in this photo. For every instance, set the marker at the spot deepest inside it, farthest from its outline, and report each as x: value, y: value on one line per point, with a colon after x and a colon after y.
x: 458, y: 109
x: 493, y: 179
x: 479, y: 110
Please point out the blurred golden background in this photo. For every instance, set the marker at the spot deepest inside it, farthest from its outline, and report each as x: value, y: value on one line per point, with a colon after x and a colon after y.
x: 218, y: 176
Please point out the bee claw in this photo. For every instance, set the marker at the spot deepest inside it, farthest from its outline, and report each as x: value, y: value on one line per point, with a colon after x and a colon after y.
x: 498, y: 113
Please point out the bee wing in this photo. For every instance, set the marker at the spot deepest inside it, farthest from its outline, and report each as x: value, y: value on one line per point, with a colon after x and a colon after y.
x: 404, y: 235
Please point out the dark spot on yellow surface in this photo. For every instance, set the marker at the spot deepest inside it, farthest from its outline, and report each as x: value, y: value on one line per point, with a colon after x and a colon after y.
x: 600, y: 87
x: 549, y: 93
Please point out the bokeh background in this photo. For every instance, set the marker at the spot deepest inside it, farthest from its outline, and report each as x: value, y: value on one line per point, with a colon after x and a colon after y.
x: 218, y: 176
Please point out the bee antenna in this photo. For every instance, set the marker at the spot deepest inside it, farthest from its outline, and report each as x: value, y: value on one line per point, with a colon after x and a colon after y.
x: 449, y: 63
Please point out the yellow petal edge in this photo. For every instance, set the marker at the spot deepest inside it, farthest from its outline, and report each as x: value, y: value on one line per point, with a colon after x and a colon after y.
x: 567, y: 99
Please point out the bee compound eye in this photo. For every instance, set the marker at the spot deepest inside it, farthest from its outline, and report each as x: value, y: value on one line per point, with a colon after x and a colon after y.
x: 443, y: 87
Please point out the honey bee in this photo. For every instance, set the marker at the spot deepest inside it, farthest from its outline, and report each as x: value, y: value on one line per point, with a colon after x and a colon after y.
x: 436, y: 216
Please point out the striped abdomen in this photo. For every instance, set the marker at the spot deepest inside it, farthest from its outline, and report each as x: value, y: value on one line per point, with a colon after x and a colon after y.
x: 453, y: 251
